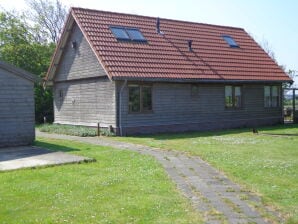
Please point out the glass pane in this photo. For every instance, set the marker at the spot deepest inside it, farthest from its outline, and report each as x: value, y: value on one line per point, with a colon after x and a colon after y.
x: 135, y: 34
x: 275, y: 91
x: 228, y: 90
x: 237, y: 91
x: 237, y: 99
x: 266, y: 91
x: 120, y: 33
x: 228, y: 96
x: 134, y: 98
x: 267, y: 98
x: 274, y: 101
x: 230, y: 41
x: 147, y: 98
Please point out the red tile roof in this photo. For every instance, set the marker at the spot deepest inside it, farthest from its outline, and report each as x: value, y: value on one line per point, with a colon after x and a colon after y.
x: 167, y: 56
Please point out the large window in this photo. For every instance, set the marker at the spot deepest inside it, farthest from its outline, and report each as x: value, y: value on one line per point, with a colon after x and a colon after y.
x: 128, y: 34
x: 140, y: 98
x: 271, y: 96
x: 233, y: 97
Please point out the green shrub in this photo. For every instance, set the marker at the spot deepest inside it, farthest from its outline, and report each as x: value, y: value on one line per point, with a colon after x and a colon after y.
x: 81, y: 131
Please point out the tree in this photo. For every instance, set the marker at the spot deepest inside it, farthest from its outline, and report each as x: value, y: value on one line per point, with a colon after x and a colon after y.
x: 268, y: 49
x: 48, y: 18
x: 28, y: 40
x: 18, y: 47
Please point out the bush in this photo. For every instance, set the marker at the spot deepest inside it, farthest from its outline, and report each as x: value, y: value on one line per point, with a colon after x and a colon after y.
x: 68, y: 130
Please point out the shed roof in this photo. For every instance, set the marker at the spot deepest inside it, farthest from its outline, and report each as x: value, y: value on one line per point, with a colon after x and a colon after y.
x: 17, y: 71
x: 166, y: 55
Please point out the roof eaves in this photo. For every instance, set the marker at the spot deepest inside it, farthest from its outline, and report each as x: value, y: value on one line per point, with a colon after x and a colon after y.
x: 181, y: 80
x: 20, y: 72
x: 59, y: 49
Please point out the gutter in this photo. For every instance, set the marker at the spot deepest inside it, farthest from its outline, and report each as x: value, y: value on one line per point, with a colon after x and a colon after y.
x: 212, y: 81
x: 120, y: 106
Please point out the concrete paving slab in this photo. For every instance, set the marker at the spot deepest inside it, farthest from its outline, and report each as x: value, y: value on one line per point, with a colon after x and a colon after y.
x: 13, y: 158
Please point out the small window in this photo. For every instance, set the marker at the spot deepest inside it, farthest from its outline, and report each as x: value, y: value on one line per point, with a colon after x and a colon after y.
x: 271, y: 96
x: 61, y: 96
x: 233, y: 97
x: 140, y: 98
x: 128, y: 34
x: 60, y: 93
x: 194, y: 91
x: 230, y: 41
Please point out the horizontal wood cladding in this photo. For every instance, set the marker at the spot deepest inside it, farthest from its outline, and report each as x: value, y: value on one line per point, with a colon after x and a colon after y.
x: 78, y: 60
x: 85, y: 102
x: 16, y: 110
x: 173, y: 105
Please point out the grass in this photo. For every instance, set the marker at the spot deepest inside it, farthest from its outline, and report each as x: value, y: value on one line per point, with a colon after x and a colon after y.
x: 121, y: 187
x: 266, y: 163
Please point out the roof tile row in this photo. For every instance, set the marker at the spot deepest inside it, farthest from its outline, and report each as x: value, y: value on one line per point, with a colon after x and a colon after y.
x: 168, y: 56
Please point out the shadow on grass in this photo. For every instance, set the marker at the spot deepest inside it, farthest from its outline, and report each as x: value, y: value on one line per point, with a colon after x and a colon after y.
x: 286, y: 130
x: 54, y: 147
x: 195, y: 134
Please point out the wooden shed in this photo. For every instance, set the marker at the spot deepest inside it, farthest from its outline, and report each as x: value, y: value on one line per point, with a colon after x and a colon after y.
x: 17, y: 116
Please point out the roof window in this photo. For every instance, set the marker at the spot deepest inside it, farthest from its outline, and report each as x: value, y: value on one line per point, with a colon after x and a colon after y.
x: 128, y: 34
x: 230, y: 41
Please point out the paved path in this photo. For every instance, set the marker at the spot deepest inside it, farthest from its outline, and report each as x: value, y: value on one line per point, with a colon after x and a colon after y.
x: 12, y: 158
x: 212, y: 193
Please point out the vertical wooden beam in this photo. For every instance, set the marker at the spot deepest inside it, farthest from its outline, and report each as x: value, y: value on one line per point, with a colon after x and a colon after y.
x: 294, y: 109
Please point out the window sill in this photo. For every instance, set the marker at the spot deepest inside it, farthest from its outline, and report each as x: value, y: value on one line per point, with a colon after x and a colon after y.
x: 234, y: 108
x: 141, y: 112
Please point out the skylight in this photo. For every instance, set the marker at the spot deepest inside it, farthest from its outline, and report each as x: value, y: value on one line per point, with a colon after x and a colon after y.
x: 129, y: 34
x: 120, y: 33
x: 231, y: 42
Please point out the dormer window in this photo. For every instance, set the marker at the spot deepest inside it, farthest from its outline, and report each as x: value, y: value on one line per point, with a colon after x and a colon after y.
x: 128, y: 34
x: 230, y: 41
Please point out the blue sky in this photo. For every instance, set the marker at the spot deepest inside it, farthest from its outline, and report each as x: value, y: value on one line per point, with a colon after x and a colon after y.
x: 274, y: 21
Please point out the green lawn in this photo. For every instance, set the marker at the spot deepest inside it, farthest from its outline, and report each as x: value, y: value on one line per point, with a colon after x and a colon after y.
x: 266, y: 163
x: 121, y: 187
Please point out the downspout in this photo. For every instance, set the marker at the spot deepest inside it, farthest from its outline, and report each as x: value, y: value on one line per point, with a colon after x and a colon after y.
x: 120, y: 106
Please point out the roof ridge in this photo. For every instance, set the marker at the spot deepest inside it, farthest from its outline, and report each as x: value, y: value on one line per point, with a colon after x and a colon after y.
x: 152, y: 17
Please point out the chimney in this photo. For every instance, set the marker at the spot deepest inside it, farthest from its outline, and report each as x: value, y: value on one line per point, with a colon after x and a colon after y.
x: 189, y: 45
x: 158, y: 25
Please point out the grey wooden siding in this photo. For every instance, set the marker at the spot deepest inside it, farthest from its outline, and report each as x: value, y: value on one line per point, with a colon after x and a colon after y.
x: 85, y: 102
x: 88, y: 94
x: 16, y: 110
x: 173, y: 106
x: 79, y: 62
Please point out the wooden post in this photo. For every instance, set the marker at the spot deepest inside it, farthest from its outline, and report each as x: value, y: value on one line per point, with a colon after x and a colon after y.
x: 294, y: 109
x: 98, y: 129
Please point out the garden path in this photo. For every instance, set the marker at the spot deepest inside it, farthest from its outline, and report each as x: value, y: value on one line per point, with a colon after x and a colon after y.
x: 214, y: 195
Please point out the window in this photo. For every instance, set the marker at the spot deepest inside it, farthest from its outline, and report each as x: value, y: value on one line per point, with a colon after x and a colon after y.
x: 135, y: 34
x: 120, y: 33
x: 61, y: 95
x: 233, y: 97
x: 230, y: 41
x: 194, y: 91
x: 140, y: 98
x: 271, y: 96
x: 128, y: 34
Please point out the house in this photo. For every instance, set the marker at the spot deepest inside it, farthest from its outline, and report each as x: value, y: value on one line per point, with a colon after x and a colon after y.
x: 140, y: 74
x: 17, y: 115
